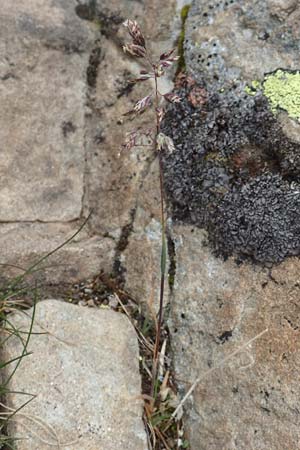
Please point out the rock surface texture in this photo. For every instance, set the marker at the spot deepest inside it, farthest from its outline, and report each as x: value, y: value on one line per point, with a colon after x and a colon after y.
x: 64, y: 85
x: 84, y: 370
x: 251, y: 402
x: 44, y: 56
x: 233, y: 186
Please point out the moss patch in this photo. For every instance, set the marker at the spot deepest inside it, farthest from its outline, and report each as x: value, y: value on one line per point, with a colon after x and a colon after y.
x: 184, y: 12
x: 282, y: 89
x: 181, y: 62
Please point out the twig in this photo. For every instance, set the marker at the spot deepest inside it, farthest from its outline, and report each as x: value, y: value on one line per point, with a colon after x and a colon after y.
x: 141, y: 337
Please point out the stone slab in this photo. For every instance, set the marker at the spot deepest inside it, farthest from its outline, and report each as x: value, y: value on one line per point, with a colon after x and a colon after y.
x: 252, y: 401
x: 84, y: 370
x: 23, y: 244
x: 43, y: 59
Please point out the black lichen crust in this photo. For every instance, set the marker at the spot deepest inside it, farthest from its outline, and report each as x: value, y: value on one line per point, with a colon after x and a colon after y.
x: 233, y: 172
x: 260, y: 219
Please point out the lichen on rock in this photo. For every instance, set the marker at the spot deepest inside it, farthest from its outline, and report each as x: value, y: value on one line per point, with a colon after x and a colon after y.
x: 234, y: 173
x: 260, y: 218
x: 282, y: 89
x: 229, y: 137
x: 253, y: 87
x: 234, y: 180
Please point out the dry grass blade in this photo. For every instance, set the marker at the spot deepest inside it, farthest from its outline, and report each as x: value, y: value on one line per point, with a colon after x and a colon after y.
x: 161, y: 360
x: 141, y: 337
x: 162, y: 438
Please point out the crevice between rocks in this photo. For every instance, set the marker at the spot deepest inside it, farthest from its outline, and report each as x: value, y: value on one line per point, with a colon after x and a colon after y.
x: 95, y: 58
x: 172, y: 260
x: 118, y: 269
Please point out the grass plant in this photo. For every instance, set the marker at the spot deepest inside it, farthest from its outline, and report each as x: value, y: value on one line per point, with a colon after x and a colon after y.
x: 159, y: 390
x: 11, y: 300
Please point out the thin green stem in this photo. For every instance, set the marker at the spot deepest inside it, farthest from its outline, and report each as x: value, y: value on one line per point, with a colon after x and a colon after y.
x: 163, y: 247
x: 156, y: 103
x: 163, y: 263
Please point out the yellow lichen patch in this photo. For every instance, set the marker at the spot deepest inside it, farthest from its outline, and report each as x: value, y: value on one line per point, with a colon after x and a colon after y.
x: 253, y: 88
x: 282, y: 89
x: 249, y: 91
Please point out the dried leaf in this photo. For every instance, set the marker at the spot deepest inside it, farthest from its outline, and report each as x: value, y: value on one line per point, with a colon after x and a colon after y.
x: 136, y: 138
x: 160, y: 141
x: 169, y: 62
x: 166, y: 59
x: 179, y: 414
x: 164, y: 64
x: 149, y: 134
x: 159, y: 71
x: 142, y: 104
x: 170, y: 144
x: 164, y: 390
x: 135, y: 32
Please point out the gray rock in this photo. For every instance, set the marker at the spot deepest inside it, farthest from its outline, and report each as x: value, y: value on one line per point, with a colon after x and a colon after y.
x: 63, y: 88
x: 45, y: 51
x: 229, y: 136
x: 217, y: 307
x: 240, y: 41
x: 23, y: 244
x: 43, y: 96
x: 235, y: 172
x: 84, y: 370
